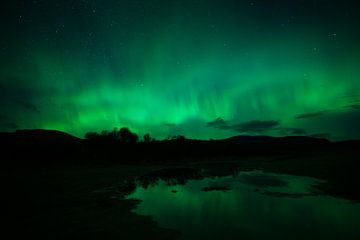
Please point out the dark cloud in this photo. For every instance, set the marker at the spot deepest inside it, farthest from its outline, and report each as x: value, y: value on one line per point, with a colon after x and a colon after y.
x: 298, y: 131
x: 320, y: 135
x: 354, y: 106
x: 28, y: 106
x: 256, y: 126
x: 218, y: 123
x: 18, y: 96
x: 311, y: 115
x: 292, y: 131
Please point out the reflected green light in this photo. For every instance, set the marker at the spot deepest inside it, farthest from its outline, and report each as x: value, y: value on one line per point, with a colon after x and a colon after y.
x: 247, y: 211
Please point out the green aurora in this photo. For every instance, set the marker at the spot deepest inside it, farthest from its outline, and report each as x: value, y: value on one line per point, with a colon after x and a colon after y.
x: 203, y: 69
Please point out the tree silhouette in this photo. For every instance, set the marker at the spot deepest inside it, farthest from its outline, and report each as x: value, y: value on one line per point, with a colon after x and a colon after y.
x: 178, y: 138
x: 92, y: 135
x: 122, y: 135
x: 125, y: 135
x: 114, y: 134
x: 147, y: 138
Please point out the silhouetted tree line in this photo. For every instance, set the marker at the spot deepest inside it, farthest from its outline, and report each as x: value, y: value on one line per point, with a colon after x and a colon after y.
x: 124, y: 146
x: 126, y: 135
x: 122, y: 135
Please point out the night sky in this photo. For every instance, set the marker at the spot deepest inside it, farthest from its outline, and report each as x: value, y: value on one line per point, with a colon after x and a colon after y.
x: 199, y: 68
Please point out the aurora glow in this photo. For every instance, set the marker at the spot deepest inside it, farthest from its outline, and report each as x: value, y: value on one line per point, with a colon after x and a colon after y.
x: 174, y: 67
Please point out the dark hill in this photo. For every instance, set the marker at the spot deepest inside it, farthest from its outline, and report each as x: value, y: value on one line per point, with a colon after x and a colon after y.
x: 276, y: 140
x: 30, y: 147
x: 49, y: 146
x: 38, y: 135
x: 48, y: 135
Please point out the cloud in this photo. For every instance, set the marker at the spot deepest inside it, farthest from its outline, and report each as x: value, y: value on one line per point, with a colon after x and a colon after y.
x: 311, y: 115
x: 256, y: 126
x: 320, y: 135
x: 292, y: 131
x: 218, y: 123
x: 298, y: 131
x: 18, y: 97
x: 354, y: 106
x: 28, y: 106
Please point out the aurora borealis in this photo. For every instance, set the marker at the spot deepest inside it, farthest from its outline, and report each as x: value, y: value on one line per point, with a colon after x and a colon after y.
x: 199, y: 68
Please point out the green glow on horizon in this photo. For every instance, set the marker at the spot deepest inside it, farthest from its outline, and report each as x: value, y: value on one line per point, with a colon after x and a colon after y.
x: 171, y: 74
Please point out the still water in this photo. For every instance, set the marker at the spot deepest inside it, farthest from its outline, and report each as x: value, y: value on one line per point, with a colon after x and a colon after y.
x: 249, y: 205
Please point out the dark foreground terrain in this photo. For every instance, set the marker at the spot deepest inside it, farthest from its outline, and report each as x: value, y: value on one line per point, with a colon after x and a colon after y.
x: 50, y: 180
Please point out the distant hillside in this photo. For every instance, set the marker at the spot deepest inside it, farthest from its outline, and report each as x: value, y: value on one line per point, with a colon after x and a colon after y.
x: 278, y: 140
x: 39, y: 135
x: 50, y: 146
x: 59, y: 136
x: 46, y: 134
